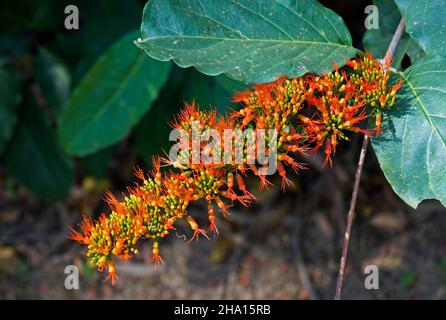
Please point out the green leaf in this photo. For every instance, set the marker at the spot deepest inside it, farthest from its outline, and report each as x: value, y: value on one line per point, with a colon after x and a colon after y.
x: 10, y: 98
x: 412, y: 148
x: 53, y: 79
x: 251, y: 41
x: 425, y: 23
x: 111, y: 98
x: 34, y: 158
x: 377, y: 40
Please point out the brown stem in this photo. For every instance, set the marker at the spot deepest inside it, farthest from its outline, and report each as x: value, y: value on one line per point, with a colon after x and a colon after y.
x: 396, y: 38
x: 351, y: 212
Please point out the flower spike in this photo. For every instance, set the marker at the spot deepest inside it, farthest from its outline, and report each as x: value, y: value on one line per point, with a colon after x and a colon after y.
x: 298, y: 116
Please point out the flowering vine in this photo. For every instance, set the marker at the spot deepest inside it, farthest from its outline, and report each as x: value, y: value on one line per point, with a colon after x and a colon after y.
x: 309, y: 113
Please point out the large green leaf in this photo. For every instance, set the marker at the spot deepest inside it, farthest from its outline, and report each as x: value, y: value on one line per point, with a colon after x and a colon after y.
x: 425, y: 23
x: 10, y: 97
x: 34, y: 158
x: 412, y: 149
x: 377, y: 40
x: 111, y: 98
x: 252, y: 41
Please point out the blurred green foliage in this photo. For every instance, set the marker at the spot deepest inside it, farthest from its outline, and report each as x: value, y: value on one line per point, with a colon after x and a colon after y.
x: 69, y: 97
x: 408, y: 278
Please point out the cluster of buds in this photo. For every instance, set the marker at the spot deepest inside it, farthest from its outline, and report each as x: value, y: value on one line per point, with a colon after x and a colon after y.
x: 371, y: 78
x: 307, y: 113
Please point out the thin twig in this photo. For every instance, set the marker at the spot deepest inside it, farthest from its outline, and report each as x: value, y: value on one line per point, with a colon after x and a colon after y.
x: 396, y: 38
x: 351, y: 212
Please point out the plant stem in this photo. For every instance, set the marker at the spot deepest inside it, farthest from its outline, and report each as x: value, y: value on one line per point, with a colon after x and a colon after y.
x: 396, y: 38
x: 351, y: 212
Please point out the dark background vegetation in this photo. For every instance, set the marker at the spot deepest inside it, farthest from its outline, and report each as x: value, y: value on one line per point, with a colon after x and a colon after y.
x: 286, y: 246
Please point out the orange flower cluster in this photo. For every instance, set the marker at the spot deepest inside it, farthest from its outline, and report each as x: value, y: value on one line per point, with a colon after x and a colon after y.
x: 309, y: 113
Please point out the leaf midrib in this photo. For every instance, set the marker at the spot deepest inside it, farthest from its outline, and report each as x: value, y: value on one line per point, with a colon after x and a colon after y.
x: 257, y: 14
x: 243, y: 40
x: 299, y: 17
